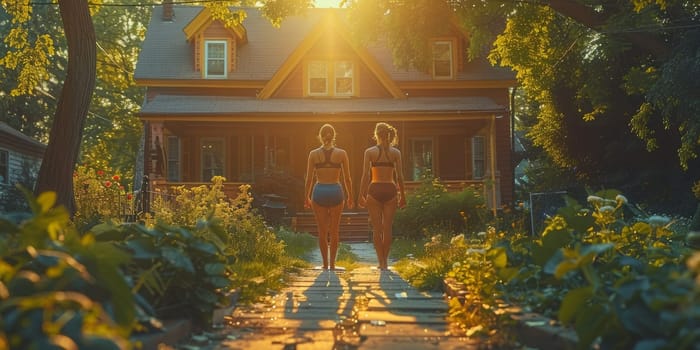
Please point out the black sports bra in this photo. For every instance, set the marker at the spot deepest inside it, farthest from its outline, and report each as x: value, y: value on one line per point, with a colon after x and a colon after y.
x: 327, y: 160
x: 387, y: 163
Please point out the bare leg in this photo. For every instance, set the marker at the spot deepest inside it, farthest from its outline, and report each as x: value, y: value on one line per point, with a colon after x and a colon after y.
x: 334, y: 214
x: 375, y: 210
x: 389, y: 209
x: 322, y: 221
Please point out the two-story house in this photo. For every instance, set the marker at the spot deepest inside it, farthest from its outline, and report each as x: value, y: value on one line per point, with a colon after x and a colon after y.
x: 247, y: 102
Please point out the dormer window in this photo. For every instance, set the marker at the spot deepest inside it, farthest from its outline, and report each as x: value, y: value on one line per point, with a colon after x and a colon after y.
x: 343, y: 78
x: 330, y: 78
x: 443, y: 59
x: 215, y: 58
x: 318, y: 78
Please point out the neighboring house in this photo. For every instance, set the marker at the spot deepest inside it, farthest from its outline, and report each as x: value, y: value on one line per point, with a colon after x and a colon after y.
x: 20, y: 159
x: 247, y: 102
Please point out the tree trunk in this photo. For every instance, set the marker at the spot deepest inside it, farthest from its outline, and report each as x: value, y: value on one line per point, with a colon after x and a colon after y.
x: 56, y: 173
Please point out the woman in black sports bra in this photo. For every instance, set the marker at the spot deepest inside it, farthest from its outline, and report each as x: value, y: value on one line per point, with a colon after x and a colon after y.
x: 381, y: 175
x: 325, y: 195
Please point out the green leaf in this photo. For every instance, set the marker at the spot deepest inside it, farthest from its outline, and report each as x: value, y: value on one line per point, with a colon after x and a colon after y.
x: 591, y: 322
x: 108, y: 232
x: 574, y: 301
x: 215, y: 269
x: 564, y: 267
x: 204, y: 247
x: 46, y: 201
x: 178, y: 258
x: 596, y: 249
x: 142, y: 248
x: 498, y: 256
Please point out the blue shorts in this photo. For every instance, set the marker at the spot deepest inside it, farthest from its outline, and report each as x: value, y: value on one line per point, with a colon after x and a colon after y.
x: 327, y: 195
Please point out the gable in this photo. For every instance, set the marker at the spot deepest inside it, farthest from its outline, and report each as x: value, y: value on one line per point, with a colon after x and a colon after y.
x: 329, y: 41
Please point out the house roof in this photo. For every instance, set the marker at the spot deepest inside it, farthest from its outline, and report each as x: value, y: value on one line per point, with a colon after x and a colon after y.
x: 12, y: 138
x: 166, y: 54
x: 164, y: 107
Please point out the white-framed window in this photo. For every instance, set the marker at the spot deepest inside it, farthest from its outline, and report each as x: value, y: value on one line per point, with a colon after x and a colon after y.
x: 478, y: 157
x: 215, y: 58
x: 173, y: 155
x: 4, y: 166
x: 344, y: 81
x: 421, y: 157
x: 318, y: 78
x: 442, y: 59
x: 212, y: 157
x: 330, y: 78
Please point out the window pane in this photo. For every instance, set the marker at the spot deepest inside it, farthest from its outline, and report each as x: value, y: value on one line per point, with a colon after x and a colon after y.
x: 216, y: 50
x: 343, y: 86
x: 216, y: 59
x: 317, y: 86
x: 173, y: 155
x: 478, y: 157
x: 421, y: 158
x: 442, y: 59
x: 215, y: 67
x: 317, y: 70
x: 4, y: 167
x: 212, y: 158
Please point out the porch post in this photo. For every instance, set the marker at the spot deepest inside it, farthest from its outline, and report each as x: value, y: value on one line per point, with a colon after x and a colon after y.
x: 492, y: 161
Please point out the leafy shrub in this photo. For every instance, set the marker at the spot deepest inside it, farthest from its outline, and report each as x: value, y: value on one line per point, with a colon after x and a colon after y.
x: 180, y: 272
x: 431, y: 208
x: 58, y: 288
x: 619, y: 282
x: 246, y: 241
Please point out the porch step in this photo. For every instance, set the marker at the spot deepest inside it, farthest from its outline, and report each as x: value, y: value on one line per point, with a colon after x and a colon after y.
x: 354, y: 226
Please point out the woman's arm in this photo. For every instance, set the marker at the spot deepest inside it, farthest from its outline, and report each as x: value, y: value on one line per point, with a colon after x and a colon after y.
x: 364, y: 183
x: 399, y: 179
x: 347, y: 180
x: 309, y: 181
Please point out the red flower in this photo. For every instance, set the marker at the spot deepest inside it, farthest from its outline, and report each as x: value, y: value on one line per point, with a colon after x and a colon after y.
x: 100, y: 172
x: 129, y: 196
x: 108, y: 183
x: 121, y: 187
x: 115, y: 178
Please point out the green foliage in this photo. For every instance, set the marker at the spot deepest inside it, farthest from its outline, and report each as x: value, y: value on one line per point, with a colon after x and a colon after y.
x: 181, y: 272
x: 432, y: 207
x: 58, y: 288
x: 618, y: 281
x: 255, y: 255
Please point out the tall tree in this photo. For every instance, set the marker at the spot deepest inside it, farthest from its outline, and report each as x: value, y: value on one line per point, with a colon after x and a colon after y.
x: 56, y: 171
x: 610, y: 83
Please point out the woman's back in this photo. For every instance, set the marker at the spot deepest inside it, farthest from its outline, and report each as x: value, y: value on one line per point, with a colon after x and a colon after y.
x: 328, y: 164
x: 382, y: 163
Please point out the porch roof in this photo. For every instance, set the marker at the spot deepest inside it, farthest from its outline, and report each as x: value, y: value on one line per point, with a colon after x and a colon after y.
x: 177, y: 107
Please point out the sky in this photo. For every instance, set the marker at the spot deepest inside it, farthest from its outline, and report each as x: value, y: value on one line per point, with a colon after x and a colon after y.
x: 327, y: 3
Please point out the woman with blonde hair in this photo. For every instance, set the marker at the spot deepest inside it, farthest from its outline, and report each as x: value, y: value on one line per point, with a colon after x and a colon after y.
x: 381, y: 176
x: 325, y: 195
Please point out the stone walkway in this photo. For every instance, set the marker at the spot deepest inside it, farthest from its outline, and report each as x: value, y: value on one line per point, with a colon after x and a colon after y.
x: 360, y: 309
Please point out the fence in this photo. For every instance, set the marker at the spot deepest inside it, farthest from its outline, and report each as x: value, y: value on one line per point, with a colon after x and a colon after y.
x: 544, y: 205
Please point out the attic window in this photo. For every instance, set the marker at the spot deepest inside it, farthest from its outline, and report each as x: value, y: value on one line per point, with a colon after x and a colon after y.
x: 318, y: 79
x: 330, y: 78
x: 215, y: 58
x: 442, y: 59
